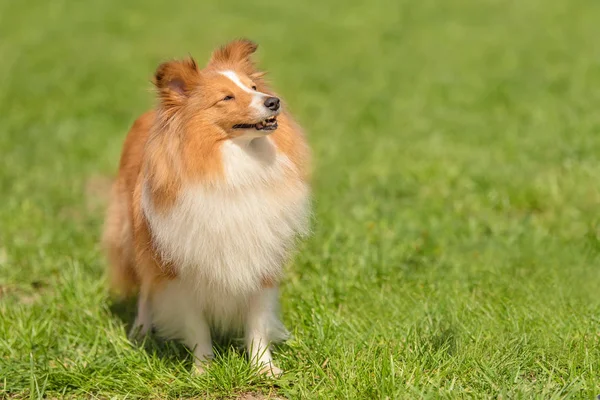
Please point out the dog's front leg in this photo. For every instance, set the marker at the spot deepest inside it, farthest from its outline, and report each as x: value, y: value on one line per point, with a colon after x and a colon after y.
x: 261, y: 322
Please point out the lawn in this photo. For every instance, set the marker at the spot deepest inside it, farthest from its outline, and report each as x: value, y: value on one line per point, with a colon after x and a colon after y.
x: 456, y: 238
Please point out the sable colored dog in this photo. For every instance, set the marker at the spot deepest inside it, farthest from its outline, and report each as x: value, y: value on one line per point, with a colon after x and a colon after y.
x: 211, y: 193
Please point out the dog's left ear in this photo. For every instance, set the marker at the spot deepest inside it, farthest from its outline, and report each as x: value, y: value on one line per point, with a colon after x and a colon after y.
x: 236, y: 53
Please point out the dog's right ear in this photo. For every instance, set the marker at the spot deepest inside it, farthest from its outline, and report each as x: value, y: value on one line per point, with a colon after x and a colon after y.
x: 174, y: 80
x: 236, y: 54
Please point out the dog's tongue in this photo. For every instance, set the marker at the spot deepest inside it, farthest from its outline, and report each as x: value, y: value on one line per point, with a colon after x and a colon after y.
x: 260, y: 126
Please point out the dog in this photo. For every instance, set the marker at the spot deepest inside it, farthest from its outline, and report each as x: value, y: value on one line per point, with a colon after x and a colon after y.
x: 211, y: 195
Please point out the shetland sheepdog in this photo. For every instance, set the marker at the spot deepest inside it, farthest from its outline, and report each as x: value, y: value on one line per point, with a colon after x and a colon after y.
x: 211, y: 194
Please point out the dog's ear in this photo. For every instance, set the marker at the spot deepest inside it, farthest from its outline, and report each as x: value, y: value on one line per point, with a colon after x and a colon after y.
x: 174, y: 80
x: 236, y: 53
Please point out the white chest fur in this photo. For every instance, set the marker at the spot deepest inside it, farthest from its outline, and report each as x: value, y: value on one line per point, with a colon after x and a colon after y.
x: 229, y: 238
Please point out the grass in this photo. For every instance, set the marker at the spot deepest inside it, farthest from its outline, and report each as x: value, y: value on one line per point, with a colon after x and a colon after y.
x: 456, y: 241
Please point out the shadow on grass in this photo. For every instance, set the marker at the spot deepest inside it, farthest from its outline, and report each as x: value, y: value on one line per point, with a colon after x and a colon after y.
x: 167, y: 349
x: 435, y: 340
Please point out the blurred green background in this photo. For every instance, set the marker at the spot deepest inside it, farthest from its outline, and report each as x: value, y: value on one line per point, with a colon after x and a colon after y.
x: 456, y: 238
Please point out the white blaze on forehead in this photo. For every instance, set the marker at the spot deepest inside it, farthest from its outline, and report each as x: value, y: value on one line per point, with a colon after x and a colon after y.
x: 257, y: 97
x: 236, y: 79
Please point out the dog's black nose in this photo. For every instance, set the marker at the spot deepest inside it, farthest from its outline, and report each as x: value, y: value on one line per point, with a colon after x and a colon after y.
x: 272, y: 103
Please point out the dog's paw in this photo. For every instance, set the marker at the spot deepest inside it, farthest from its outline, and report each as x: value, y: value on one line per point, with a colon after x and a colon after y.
x: 270, y: 370
x: 138, y: 332
x: 200, y: 367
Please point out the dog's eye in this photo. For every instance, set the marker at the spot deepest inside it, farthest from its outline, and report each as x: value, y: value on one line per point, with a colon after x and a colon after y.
x: 227, y: 98
x: 254, y: 87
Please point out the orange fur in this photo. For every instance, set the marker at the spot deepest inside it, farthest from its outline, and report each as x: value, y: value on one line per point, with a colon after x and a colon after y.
x: 175, y: 145
x: 208, y: 200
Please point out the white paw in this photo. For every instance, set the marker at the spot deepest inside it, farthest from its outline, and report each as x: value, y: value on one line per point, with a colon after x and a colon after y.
x: 138, y: 331
x: 200, y: 367
x: 270, y: 370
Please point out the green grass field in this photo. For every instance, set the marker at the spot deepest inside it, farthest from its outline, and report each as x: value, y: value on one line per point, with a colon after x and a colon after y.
x: 456, y: 242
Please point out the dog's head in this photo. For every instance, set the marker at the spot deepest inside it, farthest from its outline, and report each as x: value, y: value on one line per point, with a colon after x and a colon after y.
x: 229, y: 93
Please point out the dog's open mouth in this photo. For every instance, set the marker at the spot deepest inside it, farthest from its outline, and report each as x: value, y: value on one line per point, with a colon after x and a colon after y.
x: 269, y: 124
